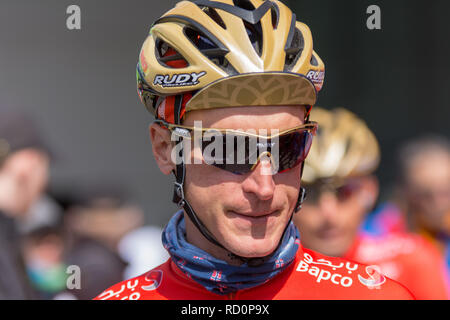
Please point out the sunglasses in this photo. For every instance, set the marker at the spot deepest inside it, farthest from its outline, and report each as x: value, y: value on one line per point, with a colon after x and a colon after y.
x: 343, y: 192
x: 239, y: 152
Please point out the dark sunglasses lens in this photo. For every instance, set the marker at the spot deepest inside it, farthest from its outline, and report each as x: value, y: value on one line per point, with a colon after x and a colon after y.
x: 346, y: 191
x: 293, y: 149
x: 238, y: 153
x: 235, y: 168
x: 229, y: 152
x: 342, y: 193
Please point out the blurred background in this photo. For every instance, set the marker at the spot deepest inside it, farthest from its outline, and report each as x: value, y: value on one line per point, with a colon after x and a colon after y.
x: 78, y: 88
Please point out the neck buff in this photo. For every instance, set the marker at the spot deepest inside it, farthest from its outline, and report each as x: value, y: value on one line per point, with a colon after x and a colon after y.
x: 217, y: 275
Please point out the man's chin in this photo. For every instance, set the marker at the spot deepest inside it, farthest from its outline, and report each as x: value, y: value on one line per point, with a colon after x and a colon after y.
x: 332, y: 249
x: 254, y: 249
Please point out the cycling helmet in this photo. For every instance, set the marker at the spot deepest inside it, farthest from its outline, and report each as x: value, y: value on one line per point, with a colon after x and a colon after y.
x: 344, y: 147
x: 206, y: 54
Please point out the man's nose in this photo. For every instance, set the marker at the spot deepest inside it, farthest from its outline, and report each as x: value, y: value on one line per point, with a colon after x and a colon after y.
x: 328, y: 204
x: 260, y: 181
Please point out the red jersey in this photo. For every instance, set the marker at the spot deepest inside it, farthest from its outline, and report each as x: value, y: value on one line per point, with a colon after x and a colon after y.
x: 406, y: 258
x: 310, y: 276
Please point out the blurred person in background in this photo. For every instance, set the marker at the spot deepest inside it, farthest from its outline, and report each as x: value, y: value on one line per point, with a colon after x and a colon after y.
x: 44, y: 250
x: 24, y: 174
x: 421, y: 203
x: 106, y: 231
x: 91, y: 228
x: 342, y: 190
x: 107, y: 216
x: 102, y: 212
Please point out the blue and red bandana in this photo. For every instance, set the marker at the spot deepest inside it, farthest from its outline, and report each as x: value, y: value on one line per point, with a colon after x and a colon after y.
x: 217, y: 275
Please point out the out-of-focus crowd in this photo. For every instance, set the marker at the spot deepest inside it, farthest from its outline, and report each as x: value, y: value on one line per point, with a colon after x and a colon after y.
x: 69, y: 243
x: 402, y: 229
x: 96, y: 228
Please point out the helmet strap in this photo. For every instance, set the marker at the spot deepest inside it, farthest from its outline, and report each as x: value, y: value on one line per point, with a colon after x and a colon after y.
x: 178, y: 194
x: 181, y: 201
x: 301, y: 193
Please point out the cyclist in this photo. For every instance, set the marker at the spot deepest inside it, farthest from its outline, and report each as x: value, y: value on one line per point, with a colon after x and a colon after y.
x: 422, y: 199
x: 342, y: 189
x: 247, y: 69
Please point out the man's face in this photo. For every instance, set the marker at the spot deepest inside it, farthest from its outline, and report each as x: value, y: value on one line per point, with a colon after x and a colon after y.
x: 428, y: 190
x: 329, y: 222
x: 105, y: 221
x: 246, y: 213
x: 23, y: 177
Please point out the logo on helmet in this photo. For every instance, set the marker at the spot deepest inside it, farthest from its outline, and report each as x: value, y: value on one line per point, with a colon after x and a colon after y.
x: 178, y: 80
x: 317, y: 78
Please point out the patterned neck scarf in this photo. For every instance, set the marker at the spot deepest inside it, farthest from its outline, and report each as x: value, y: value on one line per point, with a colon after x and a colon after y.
x: 217, y: 275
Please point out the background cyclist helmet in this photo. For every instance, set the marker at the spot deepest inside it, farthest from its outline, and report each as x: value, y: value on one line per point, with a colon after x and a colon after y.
x: 214, y: 54
x: 339, y: 180
x: 344, y: 147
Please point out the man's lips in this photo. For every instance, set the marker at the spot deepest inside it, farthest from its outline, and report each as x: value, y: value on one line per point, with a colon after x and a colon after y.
x: 254, y: 215
x: 330, y: 233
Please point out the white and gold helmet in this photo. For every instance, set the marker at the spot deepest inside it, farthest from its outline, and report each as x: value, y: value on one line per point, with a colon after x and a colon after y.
x: 344, y: 147
x: 206, y: 54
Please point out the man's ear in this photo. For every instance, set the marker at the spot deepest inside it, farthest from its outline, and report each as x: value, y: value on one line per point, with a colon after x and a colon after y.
x: 162, y: 148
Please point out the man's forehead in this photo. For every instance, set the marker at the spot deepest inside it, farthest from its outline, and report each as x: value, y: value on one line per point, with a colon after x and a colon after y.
x: 429, y: 168
x: 249, y: 117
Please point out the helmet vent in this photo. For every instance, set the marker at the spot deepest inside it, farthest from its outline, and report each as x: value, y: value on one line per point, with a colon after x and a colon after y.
x: 244, y: 9
x: 212, y: 13
x: 254, y: 32
x: 168, y: 56
x: 208, y: 47
x: 294, y: 50
x: 244, y: 4
x: 275, y: 14
x: 314, y: 61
